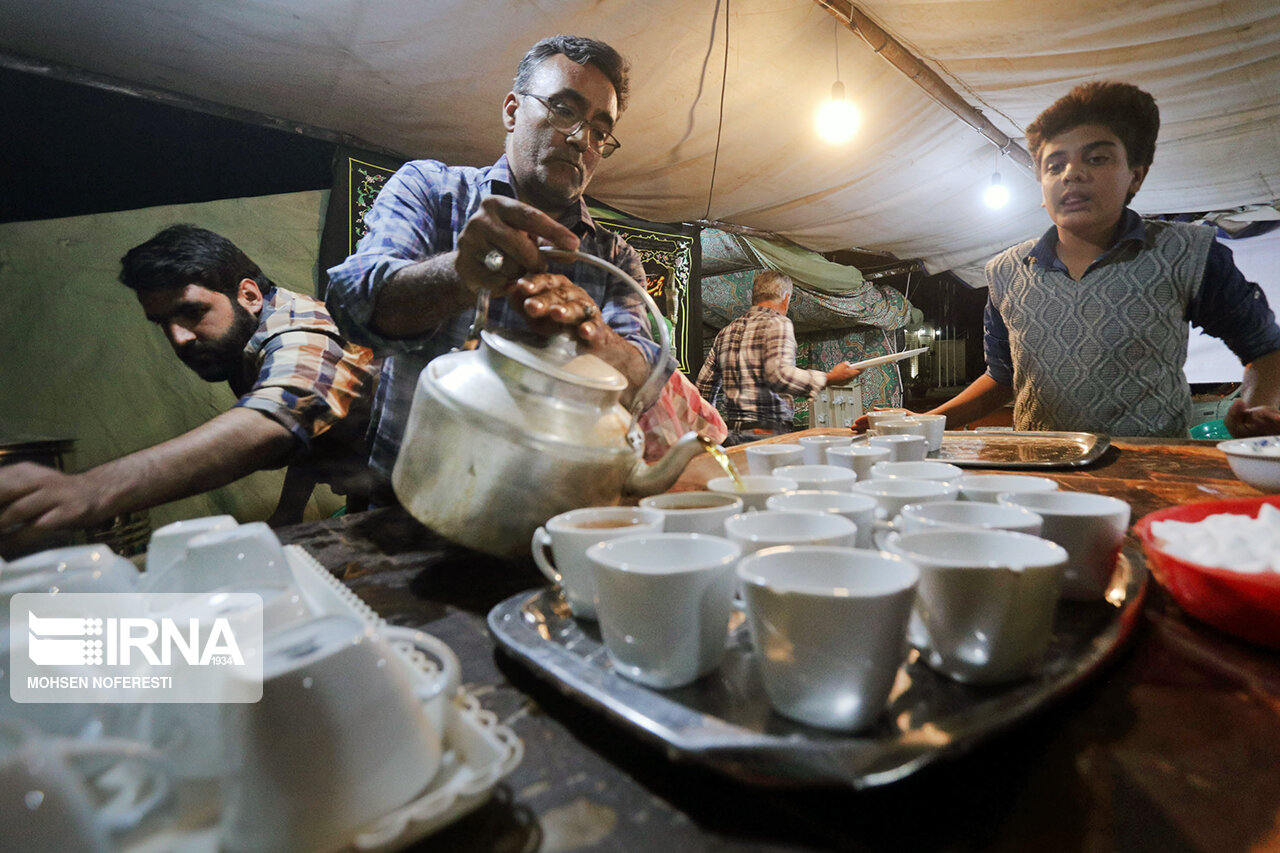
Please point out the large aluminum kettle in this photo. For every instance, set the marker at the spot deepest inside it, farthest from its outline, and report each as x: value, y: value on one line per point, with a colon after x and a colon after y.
x: 501, y: 438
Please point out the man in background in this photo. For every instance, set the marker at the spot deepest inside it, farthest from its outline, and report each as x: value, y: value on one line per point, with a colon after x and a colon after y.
x: 303, y: 396
x: 753, y: 363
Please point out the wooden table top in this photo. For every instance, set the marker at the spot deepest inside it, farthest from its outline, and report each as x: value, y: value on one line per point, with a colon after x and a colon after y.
x: 1175, y: 747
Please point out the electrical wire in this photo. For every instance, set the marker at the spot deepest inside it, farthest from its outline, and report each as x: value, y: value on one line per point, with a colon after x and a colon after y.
x: 702, y: 78
x: 835, y: 29
x: 724, y: 76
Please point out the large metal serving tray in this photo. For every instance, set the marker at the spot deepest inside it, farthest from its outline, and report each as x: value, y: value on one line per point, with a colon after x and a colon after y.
x: 724, y: 720
x: 1007, y: 449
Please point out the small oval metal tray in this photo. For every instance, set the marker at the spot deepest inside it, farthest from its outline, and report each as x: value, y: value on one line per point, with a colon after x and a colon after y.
x: 1008, y: 449
x: 724, y: 720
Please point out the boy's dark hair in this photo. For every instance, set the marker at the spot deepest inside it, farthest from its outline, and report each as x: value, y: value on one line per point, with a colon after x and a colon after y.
x: 186, y: 254
x: 1125, y: 110
x: 581, y: 50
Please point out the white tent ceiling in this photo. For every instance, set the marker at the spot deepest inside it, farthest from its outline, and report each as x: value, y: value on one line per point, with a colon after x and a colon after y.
x: 426, y: 77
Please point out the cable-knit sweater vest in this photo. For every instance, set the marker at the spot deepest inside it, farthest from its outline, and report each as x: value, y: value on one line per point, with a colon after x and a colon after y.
x: 1105, y: 353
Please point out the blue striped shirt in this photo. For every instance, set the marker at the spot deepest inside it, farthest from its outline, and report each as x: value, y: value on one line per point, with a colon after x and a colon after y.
x: 419, y: 214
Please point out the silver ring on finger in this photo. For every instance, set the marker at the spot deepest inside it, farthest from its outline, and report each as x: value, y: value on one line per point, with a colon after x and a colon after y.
x: 493, y: 260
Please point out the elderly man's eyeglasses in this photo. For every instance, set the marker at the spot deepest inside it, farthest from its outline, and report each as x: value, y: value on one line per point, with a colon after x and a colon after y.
x: 566, y: 119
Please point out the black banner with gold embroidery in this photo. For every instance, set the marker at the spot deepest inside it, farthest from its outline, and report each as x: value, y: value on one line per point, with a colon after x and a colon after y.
x: 358, y: 177
x: 672, y: 257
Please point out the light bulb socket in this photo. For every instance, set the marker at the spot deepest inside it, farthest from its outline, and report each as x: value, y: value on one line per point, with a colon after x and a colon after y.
x: 837, y: 91
x: 995, y: 179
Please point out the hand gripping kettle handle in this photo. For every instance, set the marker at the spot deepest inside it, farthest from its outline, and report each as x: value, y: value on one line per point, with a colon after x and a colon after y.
x: 654, y: 379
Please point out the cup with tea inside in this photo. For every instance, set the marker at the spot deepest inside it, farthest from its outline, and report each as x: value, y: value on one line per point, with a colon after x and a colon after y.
x: 560, y: 547
x: 694, y: 512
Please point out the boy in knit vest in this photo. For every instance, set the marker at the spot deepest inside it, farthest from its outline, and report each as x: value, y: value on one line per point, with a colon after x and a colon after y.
x: 1086, y: 328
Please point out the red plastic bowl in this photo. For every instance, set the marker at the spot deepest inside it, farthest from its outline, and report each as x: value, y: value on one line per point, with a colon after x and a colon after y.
x: 1246, y: 605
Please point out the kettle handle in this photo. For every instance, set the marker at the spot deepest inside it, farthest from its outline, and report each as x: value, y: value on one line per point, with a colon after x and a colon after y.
x: 664, y: 338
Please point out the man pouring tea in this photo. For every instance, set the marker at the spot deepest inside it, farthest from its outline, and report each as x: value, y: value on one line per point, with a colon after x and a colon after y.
x: 438, y: 235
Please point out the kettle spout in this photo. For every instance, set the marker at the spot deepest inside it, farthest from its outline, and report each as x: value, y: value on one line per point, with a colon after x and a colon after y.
x: 661, y: 475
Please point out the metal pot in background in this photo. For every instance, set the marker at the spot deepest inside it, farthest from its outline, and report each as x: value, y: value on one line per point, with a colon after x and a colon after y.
x: 126, y: 534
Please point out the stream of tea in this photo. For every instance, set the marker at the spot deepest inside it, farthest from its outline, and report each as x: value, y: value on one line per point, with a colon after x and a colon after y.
x: 718, y: 454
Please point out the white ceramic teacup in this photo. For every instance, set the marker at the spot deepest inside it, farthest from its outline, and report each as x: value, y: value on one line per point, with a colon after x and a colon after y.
x: 815, y: 446
x: 168, y: 544
x: 664, y: 601
x: 560, y: 547
x: 47, y: 791
x: 1091, y: 528
x: 757, y: 488
x: 987, y: 599
x: 95, y: 568
x: 818, y: 477
x: 83, y: 721
x: 76, y: 569
x: 858, y: 458
x: 902, y: 448
x: 934, y: 516
x: 939, y: 515
x: 988, y: 487
x: 827, y: 627
x: 934, y: 428
x: 753, y: 531
x: 339, y: 738
x: 694, y: 512
x: 188, y: 734
x: 876, y: 417
x: 902, y: 426
x: 941, y: 471
x: 892, y: 495
x: 860, y: 509
x: 247, y: 554
x: 763, y: 458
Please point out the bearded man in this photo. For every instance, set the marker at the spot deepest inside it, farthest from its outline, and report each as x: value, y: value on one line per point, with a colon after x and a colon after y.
x: 303, y: 392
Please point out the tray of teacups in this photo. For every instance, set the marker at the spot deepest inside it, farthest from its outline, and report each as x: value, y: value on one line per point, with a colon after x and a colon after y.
x: 363, y: 738
x: 831, y: 669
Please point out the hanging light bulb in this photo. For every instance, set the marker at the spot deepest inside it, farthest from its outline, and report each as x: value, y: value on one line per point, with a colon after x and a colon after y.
x: 997, y: 195
x: 837, y: 118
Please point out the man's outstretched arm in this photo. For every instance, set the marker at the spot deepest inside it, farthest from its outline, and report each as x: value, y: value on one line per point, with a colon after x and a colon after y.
x: 35, y: 500
x: 1257, y: 412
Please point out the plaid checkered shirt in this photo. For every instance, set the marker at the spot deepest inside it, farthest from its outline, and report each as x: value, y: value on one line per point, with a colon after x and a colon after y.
x: 753, y: 363
x: 298, y: 371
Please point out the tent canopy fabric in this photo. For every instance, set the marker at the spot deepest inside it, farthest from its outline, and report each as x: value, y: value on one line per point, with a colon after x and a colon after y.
x: 427, y: 80
x: 808, y: 268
